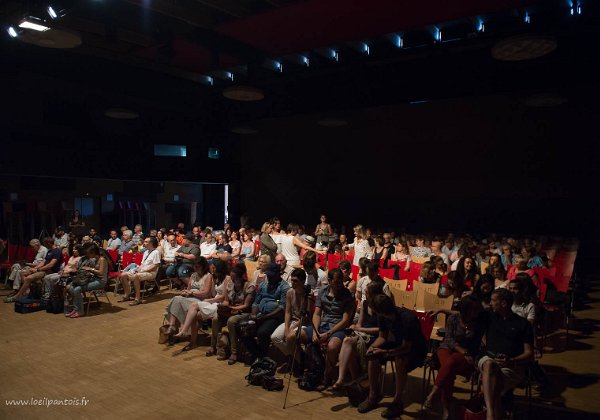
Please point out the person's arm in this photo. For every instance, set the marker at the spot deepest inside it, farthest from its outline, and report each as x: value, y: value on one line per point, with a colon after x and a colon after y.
x: 236, y: 309
x: 316, y: 322
x: 375, y: 348
x: 302, y: 245
x: 48, y: 266
x: 385, y: 254
x: 317, y: 230
x: 205, y: 292
x: 407, y: 266
x: 524, y: 357
x: 236, y: 252
x: 340, y: 326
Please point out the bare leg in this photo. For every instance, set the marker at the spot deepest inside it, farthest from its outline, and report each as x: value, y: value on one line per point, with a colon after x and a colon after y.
x: 24, y: 288
x: 191, y: 318
x: 374, y: 371
x: 136, y: 286
x: 492, y: 386
x: 401, y: 374
x: 126, y: 286
x: 333, y: 351
x: 346, y: 353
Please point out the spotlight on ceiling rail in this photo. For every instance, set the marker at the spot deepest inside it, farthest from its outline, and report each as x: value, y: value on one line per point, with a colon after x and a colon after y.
x: 12, y: 32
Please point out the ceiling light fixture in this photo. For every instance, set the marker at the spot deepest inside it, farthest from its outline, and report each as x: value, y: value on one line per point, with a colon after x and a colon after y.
x: 27, y: 24
x: 12, y: 32
x: 52, y: 13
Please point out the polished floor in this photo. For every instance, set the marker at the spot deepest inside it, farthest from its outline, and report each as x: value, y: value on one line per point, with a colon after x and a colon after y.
x: 112, y: 359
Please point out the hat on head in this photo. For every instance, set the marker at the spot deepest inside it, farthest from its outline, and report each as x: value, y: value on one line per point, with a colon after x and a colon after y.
x: 273, y: 270
x: 310, y: 239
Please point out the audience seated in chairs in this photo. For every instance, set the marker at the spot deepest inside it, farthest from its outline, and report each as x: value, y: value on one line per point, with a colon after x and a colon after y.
x: 458, y: 351
x: 207, y: 308
x: 98, y: 275
x: 268, y: 311
x: 296, y: 302
x: 185, y: 257
x: 145, y: 272
x: 201, y: 286
x: 126, y: 242
x: 247, y: 252
x: 50, y: 264
x: 362, y: 335
x: 346, y: 268
x: 285, y: 270
x: 509, y: 347
x: 22, y: 268
x: 68, y: 270
x: 400, y: 338
x: 236, y: 306
x: 334, y: 311
x: 113, y: 242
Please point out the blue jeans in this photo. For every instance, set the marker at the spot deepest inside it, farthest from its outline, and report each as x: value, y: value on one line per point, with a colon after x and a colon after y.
x: 181, y: 271
x: 78, y: 296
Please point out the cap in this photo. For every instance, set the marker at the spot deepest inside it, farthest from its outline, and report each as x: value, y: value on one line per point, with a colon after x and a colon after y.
x: 273, y: 270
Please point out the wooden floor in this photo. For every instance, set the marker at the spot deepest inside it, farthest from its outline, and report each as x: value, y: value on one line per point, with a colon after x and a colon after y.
x: 112, y: 359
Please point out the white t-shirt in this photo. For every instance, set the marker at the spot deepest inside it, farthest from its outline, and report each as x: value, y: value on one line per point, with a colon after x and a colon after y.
x: 207, y: 249
x: 41, y: 254
x: 169, y: 252
x: 150, y: 258
x: 113, y: 243
x: 278, y: 239
x: 362, y: 285
x: 289, y: 251
x: 320, y: 281
x: 526, y: 311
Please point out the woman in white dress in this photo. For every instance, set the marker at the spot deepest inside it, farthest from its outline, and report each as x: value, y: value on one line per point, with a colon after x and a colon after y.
x: 206, y: 309
x: 201, y: 286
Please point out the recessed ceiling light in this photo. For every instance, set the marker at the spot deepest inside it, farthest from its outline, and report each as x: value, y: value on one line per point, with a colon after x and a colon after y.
x: 332, y: 122
x: 523, y: 47
x: 244, y: 130
x: 26, y: 24
x: 121, y: 114
x: 12, y: 32
x: 243, y: 93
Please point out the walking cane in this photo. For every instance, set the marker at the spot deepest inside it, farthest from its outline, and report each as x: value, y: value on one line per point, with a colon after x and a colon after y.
x: 303, y: 316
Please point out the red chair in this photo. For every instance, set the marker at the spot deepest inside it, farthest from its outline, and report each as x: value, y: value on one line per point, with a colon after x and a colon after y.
x: 392, y: 263
x: 30, y: 254
x: 355, y: 271
x: 350, y: 255
x: 11, y: 258
x: 126, y: 259
x: 387, y: 273
x: 321, y: 260
x: 22, y: 252
x: 114, y: 255
x: 137, y: 258
x: 427, y: 322
x: 333, y: 261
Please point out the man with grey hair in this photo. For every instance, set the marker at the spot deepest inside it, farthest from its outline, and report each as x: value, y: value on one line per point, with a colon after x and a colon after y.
x: 126, y: 243
x: 24, y: 267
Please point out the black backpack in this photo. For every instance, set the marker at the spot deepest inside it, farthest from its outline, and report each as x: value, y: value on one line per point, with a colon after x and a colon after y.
x: 260, y: 369
x: 315, y: 365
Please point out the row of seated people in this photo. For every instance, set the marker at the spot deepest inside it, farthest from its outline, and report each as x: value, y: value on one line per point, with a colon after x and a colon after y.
x: 356, y: 336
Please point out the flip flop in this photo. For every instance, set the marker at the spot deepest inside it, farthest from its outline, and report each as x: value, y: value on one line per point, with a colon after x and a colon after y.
x: 135, y: 302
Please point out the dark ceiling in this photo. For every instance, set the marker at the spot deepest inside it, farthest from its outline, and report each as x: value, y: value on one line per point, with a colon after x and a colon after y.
x: 155, y: 57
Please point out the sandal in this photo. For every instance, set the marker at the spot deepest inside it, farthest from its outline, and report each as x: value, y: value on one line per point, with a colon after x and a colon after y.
x: 232, y: 360
x: 75, y: 314
x: 338, y: 387
x: 326, y: 384
x: 124, y: 299
x: 221, y: 357
x: 211, y: 353
x: 367, y: 405
x: 189, y: 347
x: 427, y: 404
x: 68, y: 314
x: 135, y: 302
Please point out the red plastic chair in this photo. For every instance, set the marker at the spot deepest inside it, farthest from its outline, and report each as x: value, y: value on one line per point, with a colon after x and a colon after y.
x: 321, y: 260
x: 22, y: 252
x: 333, y: 261
x: 30, y: 254
x: 387, y: 273
x: 426, y: 322
x: 114, y: 255
x: 126, y: 259
x: 355, y: 271
x: 137, y: 258
x: 350, y: 255
x: 392, y: 263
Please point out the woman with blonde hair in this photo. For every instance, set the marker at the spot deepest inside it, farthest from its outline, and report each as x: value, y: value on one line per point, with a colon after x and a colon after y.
x: 360, y: 244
